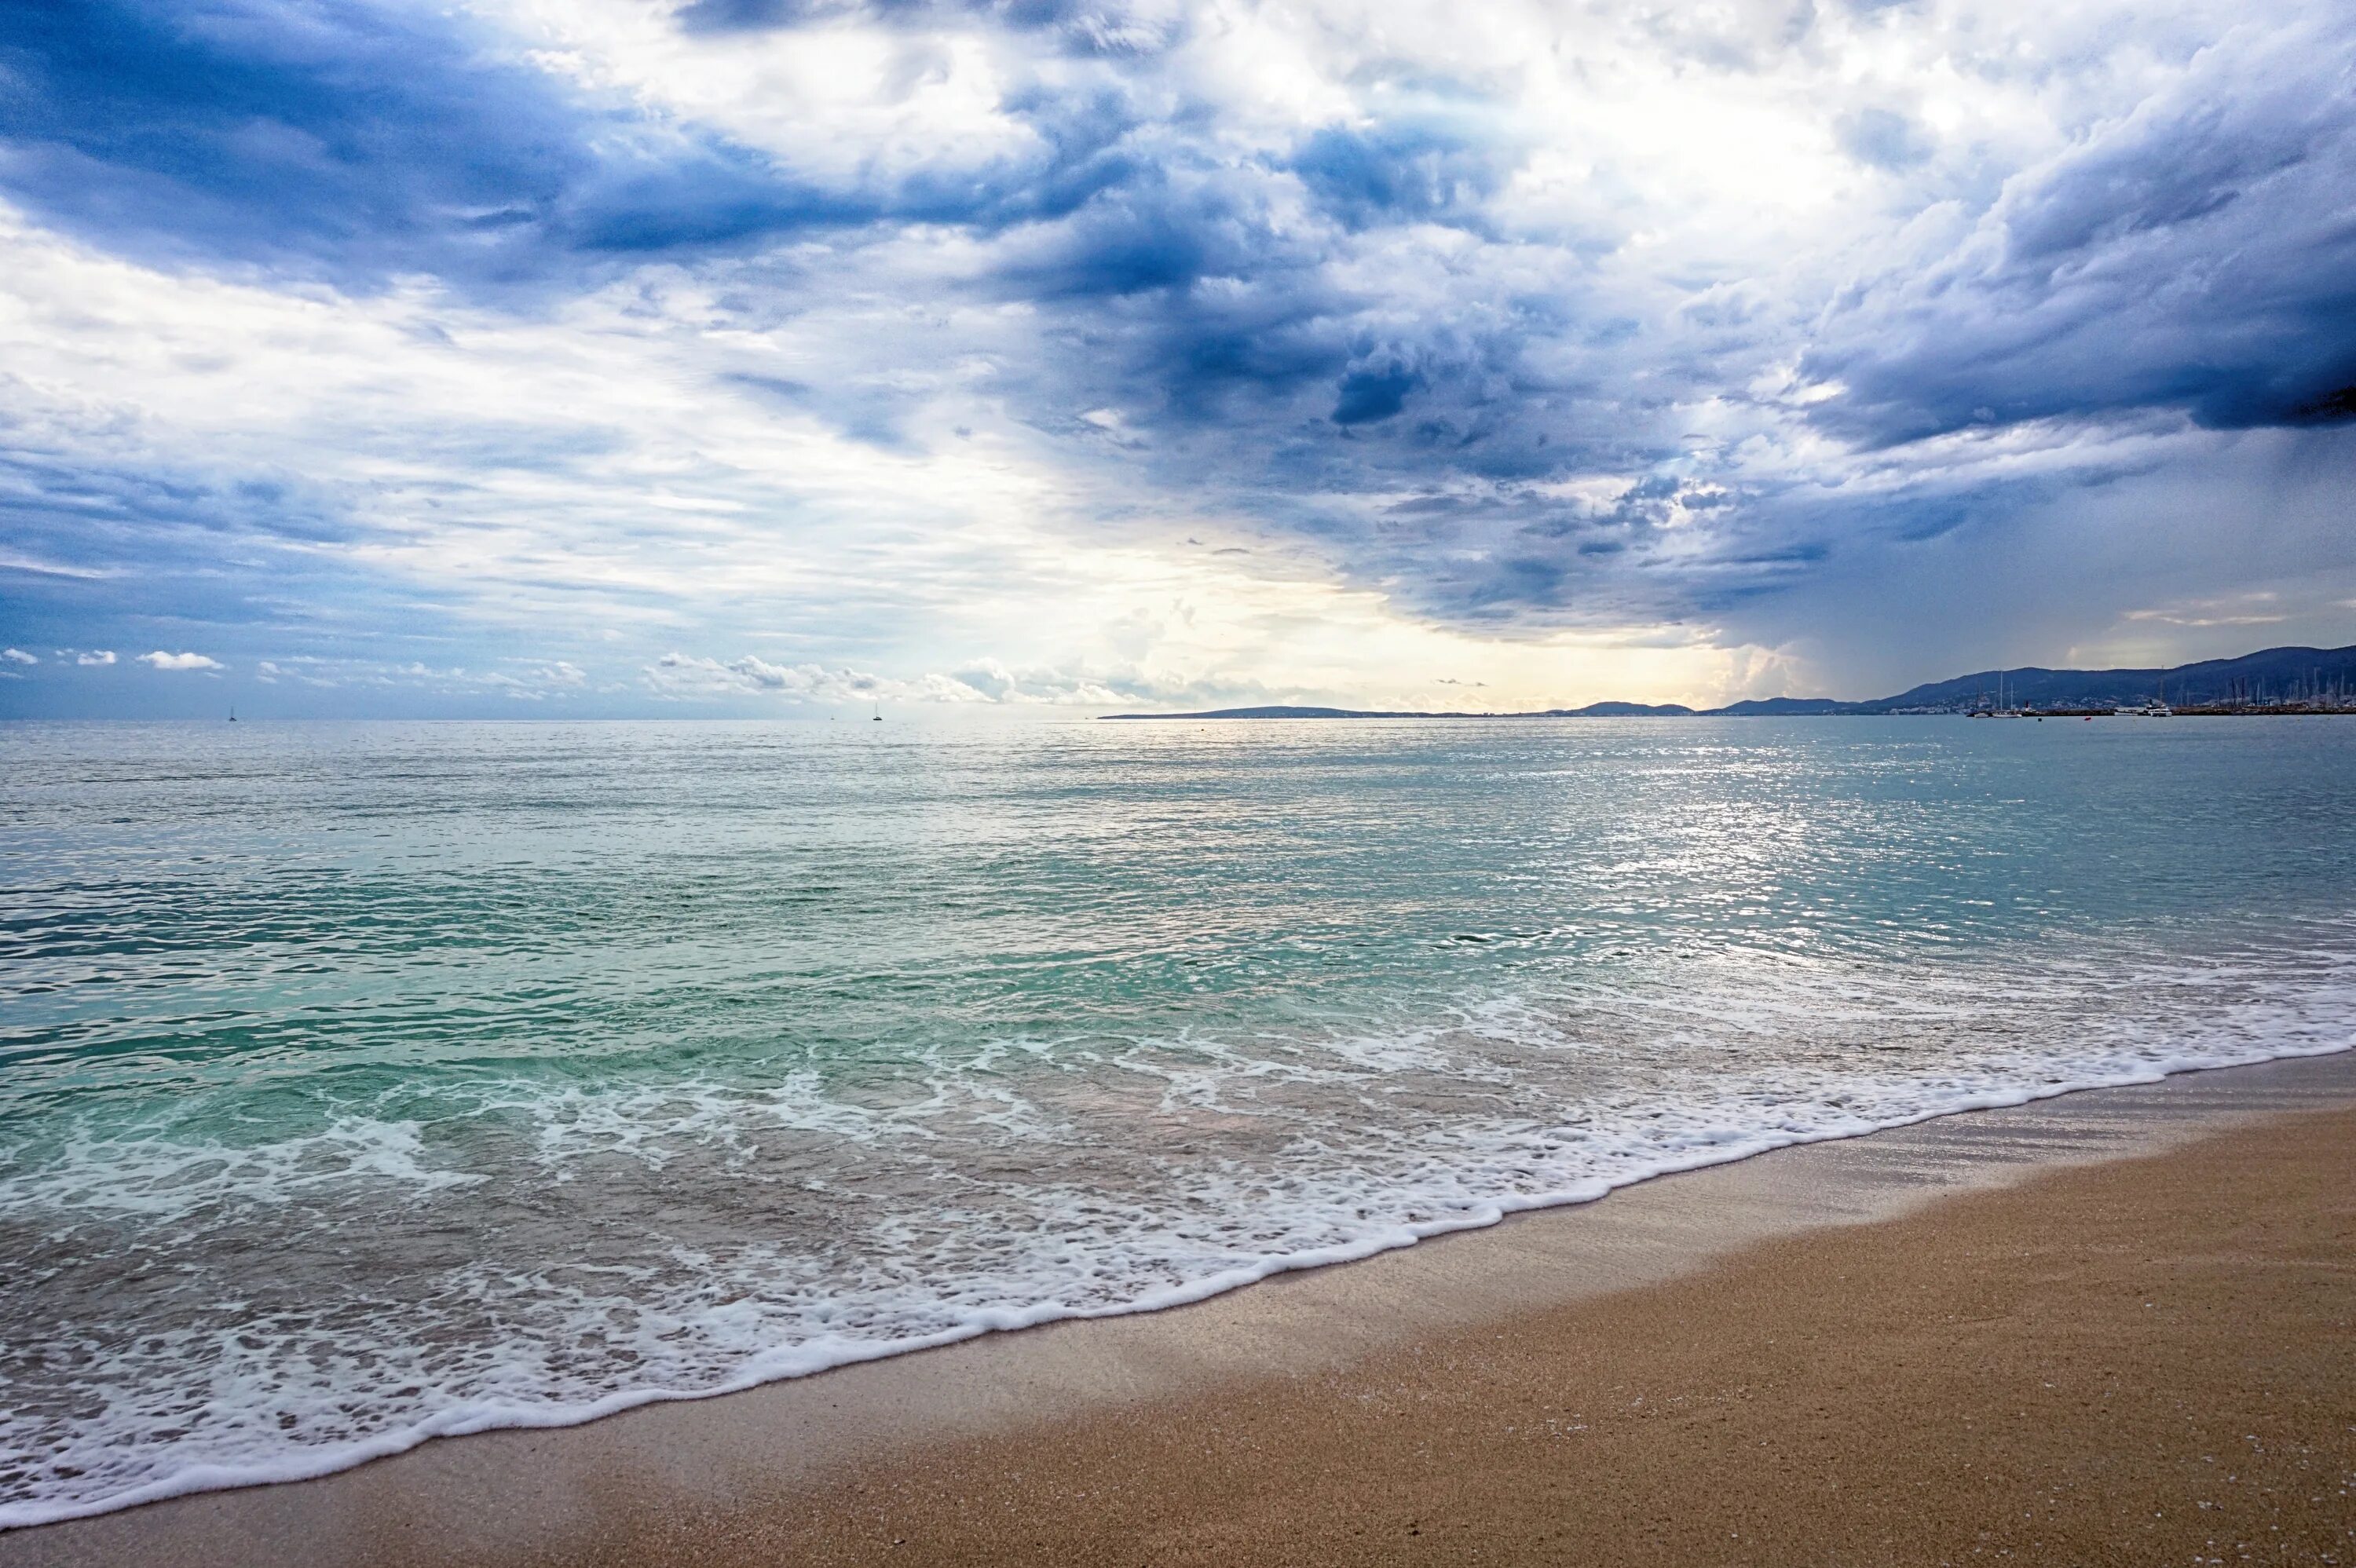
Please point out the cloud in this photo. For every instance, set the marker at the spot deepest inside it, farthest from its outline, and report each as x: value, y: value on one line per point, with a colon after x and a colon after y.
x: 18, y: 655
x: 1414, y: 170
x: 1071, y: 27
x: 359, y: 139
x: 1375, y: 394
x: 913, y: 343
x: 682, y: 677
x: 358, y: 142
x: 1884, y: 138
x: 1050, y: 686
x: 361, y: 143
x: 162, y: 660
x: 15, y: 560
x: 95, y: 657
x: 2193, y: 255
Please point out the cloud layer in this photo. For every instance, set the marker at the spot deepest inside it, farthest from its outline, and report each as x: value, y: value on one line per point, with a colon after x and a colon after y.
x: 747, y: 353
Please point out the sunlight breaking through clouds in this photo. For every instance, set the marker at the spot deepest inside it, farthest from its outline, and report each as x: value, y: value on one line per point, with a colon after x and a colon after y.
x: 738, y: 353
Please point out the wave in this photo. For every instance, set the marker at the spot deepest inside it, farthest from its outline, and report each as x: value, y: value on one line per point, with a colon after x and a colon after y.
x: 705, y: 1324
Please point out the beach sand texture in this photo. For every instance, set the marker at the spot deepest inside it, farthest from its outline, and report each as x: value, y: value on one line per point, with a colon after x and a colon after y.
x: 2024, y: 1357
x: 2145, y: 1362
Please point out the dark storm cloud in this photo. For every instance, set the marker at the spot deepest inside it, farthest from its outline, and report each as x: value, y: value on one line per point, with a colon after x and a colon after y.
x: 1077, y: 26
x: 1160, y: 231
x: 1402, y: 173
x: 1375, y: 394
x: 346, y: 136
x: 353, y: 142
x: 2199, y: 256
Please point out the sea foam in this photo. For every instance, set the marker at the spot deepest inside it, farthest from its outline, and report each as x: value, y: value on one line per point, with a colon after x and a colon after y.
x: 258, y: 1395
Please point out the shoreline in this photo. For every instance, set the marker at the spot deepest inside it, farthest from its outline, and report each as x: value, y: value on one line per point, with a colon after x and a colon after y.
x: 528, y: 1491
x: 799, y: 1363
x: 2141, y: 1361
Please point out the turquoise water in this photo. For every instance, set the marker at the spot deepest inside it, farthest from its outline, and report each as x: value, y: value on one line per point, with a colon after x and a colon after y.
x: 360, y: 1083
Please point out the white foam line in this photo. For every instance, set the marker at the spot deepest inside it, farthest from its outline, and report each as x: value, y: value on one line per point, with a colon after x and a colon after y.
x: 825, y: 1354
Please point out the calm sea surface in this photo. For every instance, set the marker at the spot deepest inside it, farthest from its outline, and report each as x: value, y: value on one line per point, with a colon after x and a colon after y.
x: 363, y: 1083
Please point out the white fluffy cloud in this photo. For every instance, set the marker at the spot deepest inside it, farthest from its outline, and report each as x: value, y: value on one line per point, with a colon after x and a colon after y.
x: 680, y: 676
x: 159, y: 659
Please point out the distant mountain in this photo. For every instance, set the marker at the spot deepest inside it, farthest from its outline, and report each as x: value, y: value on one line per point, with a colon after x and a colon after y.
x: 1593, y: 710
x: 2270, y: 675
x: 1285, y: 713
x: 1621, y: 710
x: 1783, y: 707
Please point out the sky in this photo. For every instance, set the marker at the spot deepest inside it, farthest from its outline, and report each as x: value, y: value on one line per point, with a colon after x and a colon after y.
x: 631, y: 358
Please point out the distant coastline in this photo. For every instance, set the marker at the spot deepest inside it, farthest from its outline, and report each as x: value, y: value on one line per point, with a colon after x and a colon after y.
x: 2273, y: 680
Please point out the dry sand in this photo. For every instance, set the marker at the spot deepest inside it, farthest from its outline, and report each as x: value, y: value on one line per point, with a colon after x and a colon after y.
x: 1953, y: 1342
x: 2146, y: 1362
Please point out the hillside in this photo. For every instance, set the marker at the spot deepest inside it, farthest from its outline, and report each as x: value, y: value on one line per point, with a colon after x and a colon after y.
x: 2268, y: 677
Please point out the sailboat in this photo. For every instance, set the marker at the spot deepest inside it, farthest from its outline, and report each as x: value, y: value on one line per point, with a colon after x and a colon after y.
x: 1999, y: 710
x: 879, y: 713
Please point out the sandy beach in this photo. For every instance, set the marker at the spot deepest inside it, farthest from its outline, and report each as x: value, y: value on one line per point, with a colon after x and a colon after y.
x: 2151, y: 1361
x: 2115, y: 1328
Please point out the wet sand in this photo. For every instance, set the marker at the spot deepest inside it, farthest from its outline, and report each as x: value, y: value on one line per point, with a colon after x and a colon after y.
x: 2115, y: 1328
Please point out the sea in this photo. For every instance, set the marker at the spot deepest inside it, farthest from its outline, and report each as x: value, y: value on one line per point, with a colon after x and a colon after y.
x: 364, y: 1083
